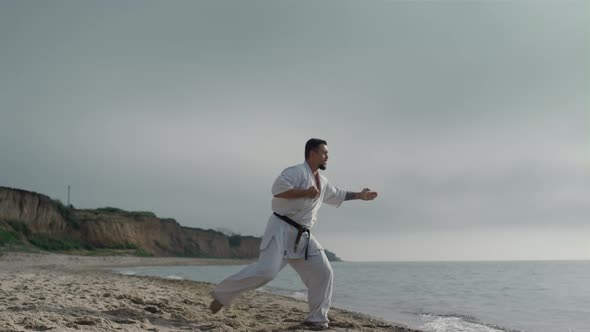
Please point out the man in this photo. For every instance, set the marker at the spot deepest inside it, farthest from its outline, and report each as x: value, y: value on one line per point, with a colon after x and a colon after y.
x: 298, y: 194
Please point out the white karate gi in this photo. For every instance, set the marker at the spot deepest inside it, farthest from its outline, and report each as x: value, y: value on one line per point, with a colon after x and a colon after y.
x: 277, y: 246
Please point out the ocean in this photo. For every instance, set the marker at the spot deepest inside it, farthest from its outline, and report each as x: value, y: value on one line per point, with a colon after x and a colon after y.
x: 535, y: 296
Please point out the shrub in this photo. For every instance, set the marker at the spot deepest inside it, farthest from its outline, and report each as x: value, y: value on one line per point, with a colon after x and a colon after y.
x: 19, y: 227
x: 142, y: 253
x: 141, y: 214
x: 7, y: 237
x: 234, y: 240
x: 47, y: 243
x: 125, y: 245
x: 67, y: 213
x: 110, y: 210
x: 130, y: 214
x: 192, y: 252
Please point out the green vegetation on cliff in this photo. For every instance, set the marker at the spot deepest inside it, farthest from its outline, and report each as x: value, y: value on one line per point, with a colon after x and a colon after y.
x: 129, y: 214
x: 8, y: 237
x: 16, y: 234
x: 67, y: 213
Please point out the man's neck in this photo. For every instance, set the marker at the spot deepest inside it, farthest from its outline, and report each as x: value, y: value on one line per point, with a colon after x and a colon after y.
x: 314, y: 169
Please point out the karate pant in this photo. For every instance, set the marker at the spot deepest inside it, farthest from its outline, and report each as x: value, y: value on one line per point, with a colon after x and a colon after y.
x: 315, y: 272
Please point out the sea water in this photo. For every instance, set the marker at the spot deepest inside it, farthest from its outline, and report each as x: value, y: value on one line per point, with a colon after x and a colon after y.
x: 536, y: 296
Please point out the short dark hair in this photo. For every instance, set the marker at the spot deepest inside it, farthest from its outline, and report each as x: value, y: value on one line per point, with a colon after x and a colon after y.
x: 312, y: 144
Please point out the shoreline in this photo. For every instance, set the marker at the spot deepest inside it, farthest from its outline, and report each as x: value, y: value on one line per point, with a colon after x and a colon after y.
x: 59, y: 292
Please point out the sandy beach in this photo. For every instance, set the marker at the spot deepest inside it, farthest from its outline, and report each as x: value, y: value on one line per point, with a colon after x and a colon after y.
x: 52, y: 292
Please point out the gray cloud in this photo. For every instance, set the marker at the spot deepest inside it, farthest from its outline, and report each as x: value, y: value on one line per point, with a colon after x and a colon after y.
x: 466, y: 116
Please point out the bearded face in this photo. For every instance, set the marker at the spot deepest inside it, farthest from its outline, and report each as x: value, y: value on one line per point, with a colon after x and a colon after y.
x: 321, y: 156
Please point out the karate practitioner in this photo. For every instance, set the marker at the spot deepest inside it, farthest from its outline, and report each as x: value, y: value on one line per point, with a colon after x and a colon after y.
x: 298, y: 194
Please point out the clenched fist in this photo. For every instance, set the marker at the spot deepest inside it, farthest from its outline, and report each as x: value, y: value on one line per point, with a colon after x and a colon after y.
x: 312, y: 192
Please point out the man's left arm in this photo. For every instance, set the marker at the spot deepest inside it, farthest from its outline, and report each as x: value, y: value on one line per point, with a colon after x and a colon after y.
x: 366, y: 195
x: 335, y: 196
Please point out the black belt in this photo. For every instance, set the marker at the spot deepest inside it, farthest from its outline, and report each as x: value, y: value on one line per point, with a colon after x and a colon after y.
x: 300, y: 229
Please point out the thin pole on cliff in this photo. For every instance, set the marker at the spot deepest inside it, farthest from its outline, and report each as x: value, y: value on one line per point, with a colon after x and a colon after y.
x: 68, y: 196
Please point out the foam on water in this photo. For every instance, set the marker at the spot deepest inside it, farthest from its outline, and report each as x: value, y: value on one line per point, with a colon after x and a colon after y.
x: 456, y: 323
x: 173, y: 277
x: 299, y: 295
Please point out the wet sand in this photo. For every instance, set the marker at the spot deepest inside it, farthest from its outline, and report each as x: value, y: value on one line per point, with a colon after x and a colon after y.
x: 52, y: 292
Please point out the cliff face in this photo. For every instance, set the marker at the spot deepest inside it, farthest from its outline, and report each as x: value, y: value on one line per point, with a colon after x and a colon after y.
x: 160, y: 237
x: 118, y: 229
x: 39, y: 212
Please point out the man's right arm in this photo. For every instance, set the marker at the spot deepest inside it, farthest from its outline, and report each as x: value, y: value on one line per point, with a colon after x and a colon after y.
x: 311, y: 192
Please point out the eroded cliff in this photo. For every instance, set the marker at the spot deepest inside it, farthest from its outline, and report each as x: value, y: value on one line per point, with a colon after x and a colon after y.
x: 35, y: 218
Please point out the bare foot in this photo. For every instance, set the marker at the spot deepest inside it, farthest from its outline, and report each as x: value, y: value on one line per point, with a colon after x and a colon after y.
x: 215, y: 306
x: 315, y: 326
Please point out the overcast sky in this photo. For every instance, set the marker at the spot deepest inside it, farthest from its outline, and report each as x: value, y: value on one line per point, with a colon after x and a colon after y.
x: 470, y: 118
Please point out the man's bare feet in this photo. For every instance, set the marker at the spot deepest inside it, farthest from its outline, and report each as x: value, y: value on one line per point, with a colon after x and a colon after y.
x: 215, y: 306
x: 316, y: 326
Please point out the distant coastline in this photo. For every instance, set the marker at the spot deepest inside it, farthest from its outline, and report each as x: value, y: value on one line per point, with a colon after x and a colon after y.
x: 30, y: 221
